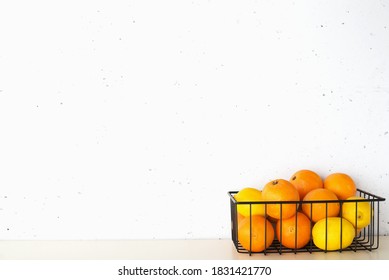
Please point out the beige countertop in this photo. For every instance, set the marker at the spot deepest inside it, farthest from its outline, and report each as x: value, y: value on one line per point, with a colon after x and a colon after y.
x: 222, y: 249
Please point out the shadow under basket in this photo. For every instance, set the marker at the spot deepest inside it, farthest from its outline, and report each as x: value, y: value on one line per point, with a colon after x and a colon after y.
x: 366, y: 238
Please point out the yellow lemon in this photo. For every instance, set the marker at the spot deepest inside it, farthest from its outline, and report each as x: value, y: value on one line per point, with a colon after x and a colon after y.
x: 358, y: 213
x: 331, y: 231
x: 250, y: 195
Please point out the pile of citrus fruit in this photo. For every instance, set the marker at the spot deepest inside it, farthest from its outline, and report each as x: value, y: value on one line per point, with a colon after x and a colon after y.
x: 302, y: 208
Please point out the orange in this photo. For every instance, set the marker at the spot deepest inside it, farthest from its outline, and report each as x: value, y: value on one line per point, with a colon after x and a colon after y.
x: 250, y: 195
x: 261, y: 232
x: 280, y: 190
x: 305, y: 181
x: 341, y: 184
x: 288, y: 233
x: 239, y: 218
x: 320, y: 210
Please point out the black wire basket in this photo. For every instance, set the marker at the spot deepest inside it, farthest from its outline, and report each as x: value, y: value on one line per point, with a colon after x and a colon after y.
x: 366, y: 238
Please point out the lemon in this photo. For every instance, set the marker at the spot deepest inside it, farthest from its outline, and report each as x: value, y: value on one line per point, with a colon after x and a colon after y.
x: 337, y: 229
x: 250, y: 195
x: 358, y: 213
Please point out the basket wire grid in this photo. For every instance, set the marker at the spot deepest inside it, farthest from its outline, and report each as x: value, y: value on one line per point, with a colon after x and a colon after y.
x: 366, y: 239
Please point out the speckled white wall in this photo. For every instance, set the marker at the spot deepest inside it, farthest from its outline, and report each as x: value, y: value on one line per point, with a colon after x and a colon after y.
x: 132, y: 119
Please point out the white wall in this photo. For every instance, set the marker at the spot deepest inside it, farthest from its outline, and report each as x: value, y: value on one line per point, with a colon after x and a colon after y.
x: 132, y: 119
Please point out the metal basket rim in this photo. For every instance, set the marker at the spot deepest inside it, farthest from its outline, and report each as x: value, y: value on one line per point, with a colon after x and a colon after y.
x: 373, y: 198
